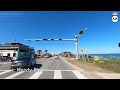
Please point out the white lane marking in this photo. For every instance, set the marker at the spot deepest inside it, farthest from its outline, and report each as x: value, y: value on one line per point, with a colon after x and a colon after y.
x: 5, y: 72
x: 79, y: 75
x: 61, y: 70
x: 57, y: 74
x: 14, y: 75
x: 5, y: 62
x: 36, y: 75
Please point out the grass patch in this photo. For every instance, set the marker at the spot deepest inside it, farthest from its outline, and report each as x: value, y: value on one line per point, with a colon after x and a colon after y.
x: 101, y: 66
x: 111, y: 65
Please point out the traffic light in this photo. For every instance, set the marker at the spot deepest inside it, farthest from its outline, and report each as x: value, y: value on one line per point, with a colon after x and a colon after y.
x: 81, y: 32
x: 45, y: 39
x: 119, y: 44
x: 37, y: 40
x: 31, y: 40
x: 60, y: 39
x: 52, y: 39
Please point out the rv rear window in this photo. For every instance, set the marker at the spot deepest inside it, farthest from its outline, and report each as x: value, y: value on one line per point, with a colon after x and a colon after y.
x: 14, y: 54
x: 8, y: 54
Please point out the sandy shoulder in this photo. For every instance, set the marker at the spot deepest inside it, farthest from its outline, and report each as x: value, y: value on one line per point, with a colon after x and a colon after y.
x: 97, y: 73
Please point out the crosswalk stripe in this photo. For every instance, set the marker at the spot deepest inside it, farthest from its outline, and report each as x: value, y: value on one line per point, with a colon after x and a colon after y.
x: 57, y: 74
x: 5, y: 62
x: 14, y: 75
x: 5, y: 72
x: 60, y: 70
x: 36, y: 75
x: 79, y: 75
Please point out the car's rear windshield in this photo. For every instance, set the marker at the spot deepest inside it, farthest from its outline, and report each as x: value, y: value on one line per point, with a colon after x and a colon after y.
x: 23, y: 59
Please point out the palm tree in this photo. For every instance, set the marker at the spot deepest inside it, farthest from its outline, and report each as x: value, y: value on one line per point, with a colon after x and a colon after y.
x: 46, y: 51
x: 39, y: 52
x: 68, y: 54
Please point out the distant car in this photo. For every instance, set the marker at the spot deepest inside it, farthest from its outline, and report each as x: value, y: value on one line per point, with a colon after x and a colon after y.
x: 46, y: 56
x: 56, y: 57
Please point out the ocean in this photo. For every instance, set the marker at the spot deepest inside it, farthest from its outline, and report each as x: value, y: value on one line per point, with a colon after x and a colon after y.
x: 107, y: 56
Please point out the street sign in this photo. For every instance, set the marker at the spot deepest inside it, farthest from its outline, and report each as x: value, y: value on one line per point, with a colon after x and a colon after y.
x: 86, y: 50
x: 82, y: 50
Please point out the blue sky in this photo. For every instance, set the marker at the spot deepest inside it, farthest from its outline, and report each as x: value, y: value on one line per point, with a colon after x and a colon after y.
x: 102, y: 35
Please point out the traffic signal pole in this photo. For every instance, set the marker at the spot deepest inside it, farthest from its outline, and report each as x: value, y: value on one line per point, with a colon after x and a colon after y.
x: 76, y: 40
x: 77, y: 53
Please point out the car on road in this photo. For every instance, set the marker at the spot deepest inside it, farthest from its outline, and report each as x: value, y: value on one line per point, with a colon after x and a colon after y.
x: 56, y: 57
x: 46, y: 56
x: 28, y: 62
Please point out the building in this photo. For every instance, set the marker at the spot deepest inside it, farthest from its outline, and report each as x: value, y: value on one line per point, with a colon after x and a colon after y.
x: 15, y: 50
x: 39, y: 53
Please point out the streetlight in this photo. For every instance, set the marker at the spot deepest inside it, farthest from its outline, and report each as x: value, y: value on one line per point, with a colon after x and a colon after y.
x: 76, y: 41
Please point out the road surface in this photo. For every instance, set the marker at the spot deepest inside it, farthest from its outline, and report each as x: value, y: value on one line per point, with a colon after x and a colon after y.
x: 46, y: 68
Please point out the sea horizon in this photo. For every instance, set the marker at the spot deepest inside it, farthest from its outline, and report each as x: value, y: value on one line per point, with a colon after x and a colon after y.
x: 107, y: 56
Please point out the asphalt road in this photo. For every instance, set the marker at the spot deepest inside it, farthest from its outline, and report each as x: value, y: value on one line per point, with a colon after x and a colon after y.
x: 46, y: 68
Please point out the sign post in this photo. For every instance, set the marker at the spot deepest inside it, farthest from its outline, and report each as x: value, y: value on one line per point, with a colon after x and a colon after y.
x: 87, y: 54
x: 82, y: 53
